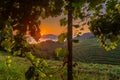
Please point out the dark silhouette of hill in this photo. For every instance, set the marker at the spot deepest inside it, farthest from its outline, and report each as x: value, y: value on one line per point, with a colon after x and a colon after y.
x: 46, y: 49
x: 52, y: 36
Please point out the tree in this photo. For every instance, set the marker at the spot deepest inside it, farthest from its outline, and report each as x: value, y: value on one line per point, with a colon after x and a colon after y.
x: 69, y: 40
x: 74, y: 12
x: 24, y: 16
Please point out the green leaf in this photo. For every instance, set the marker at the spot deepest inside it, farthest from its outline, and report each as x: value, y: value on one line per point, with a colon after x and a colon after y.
x: 43, y: 14
x: 65, y: 12
x: 62, y: 37
x: 7, y: 44
x: 63, y: 22
x: 78, y: 3
x: 113, y: 47
x: 30, y: 56
x: 61, y: 52
x: 17, y: 52
x: 42, y: 74
x: 44, y: 63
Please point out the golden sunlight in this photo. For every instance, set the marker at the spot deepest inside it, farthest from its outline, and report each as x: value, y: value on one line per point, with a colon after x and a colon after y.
x: 42, y: 34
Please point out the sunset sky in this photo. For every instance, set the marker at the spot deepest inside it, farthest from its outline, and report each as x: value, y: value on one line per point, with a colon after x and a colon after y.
x: 52, y: 26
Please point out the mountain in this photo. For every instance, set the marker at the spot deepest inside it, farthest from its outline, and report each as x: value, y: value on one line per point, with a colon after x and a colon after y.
x: 31, y: 40
x: 53, y: 37
x: 88, y: 35
x: 85, y: 36
x: 48, y: 37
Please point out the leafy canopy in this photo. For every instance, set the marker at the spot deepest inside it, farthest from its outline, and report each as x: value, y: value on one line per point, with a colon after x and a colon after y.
x: 107, y: 26
x: 23, y: 16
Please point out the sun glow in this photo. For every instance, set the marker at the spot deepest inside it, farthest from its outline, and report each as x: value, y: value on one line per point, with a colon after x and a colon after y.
x: 42, y: 34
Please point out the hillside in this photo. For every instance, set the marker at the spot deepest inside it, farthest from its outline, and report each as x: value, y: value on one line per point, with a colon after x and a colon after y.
x: 46, y: 49
x: 90, y: 51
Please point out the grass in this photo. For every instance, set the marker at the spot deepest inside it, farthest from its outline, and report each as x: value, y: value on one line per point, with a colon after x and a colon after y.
x: 82, y: 71
x: 17, y: 69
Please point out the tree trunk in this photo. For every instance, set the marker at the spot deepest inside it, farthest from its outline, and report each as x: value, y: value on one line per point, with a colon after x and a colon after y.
x: 69, y: 41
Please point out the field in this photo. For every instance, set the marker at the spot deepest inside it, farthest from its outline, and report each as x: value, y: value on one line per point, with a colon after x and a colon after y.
x: 82, y: 71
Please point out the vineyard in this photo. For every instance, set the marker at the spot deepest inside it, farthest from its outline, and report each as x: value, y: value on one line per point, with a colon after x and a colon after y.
x: 91, y: 51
